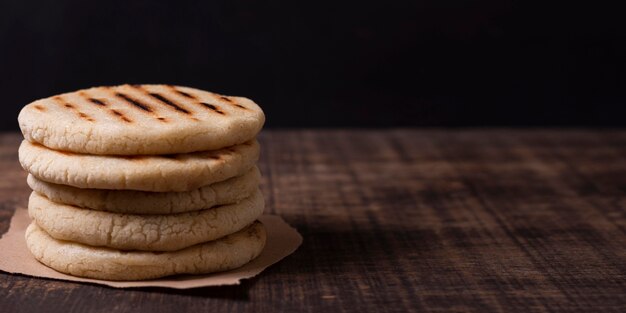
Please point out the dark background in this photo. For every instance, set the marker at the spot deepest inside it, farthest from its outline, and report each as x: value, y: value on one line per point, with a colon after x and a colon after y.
x: 335, y: 63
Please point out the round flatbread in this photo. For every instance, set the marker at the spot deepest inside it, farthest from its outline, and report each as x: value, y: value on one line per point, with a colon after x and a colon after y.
x: 142, y: 232
x: 177, y: 172
x: 229, y: 191
x: 76, y: 259
x: 140, y: 119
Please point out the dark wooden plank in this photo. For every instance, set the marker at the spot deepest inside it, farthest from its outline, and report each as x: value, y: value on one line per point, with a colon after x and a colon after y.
x: 406, y: 220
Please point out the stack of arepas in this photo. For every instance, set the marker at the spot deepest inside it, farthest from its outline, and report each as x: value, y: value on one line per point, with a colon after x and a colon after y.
x: 143, y: 181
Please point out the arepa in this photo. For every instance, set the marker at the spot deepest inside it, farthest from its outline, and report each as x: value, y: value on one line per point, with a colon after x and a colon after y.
x: 140, y: 119
x: 81, y: 260
x: 229, y: 191
x: 162, y: 173
x: 166, y: 232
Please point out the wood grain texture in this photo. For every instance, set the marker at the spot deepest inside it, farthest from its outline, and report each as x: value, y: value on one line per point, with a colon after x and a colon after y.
x: 406, y: 220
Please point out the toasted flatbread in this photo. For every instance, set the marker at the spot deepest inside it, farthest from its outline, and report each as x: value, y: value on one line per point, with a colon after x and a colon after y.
x: 160, y: 173
x: 166, y: 232
x: 140, y: 119
x: 229, y: 191
x: 76, y: 259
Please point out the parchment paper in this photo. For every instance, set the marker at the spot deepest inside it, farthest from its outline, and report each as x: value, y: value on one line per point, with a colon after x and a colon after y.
x: 282, y: 240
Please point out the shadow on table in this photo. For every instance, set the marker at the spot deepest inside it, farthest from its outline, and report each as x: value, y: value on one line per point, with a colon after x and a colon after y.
x: 329, y: 249
x: 332, y: 247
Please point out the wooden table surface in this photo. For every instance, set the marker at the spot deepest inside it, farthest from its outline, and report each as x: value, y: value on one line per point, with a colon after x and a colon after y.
x: 405, y: 220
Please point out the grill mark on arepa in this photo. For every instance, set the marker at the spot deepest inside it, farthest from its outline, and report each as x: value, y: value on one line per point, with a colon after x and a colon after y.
x: 39, y: 108
x: 134, y: 102
x: 85, y: 116
x: 182, y: 93
x: 72, y: 108
x: 168, y: 102
x: 97, y: 102
x: 121, y: 116
x: 231, y: 102
x: 212, y: 107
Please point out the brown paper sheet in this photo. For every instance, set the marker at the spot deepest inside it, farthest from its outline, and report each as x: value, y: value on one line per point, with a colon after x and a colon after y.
x: 282, y: 240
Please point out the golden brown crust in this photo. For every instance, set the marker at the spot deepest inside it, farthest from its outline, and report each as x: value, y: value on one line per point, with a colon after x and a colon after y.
x: 161, y: 173
x: 140, y: 119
